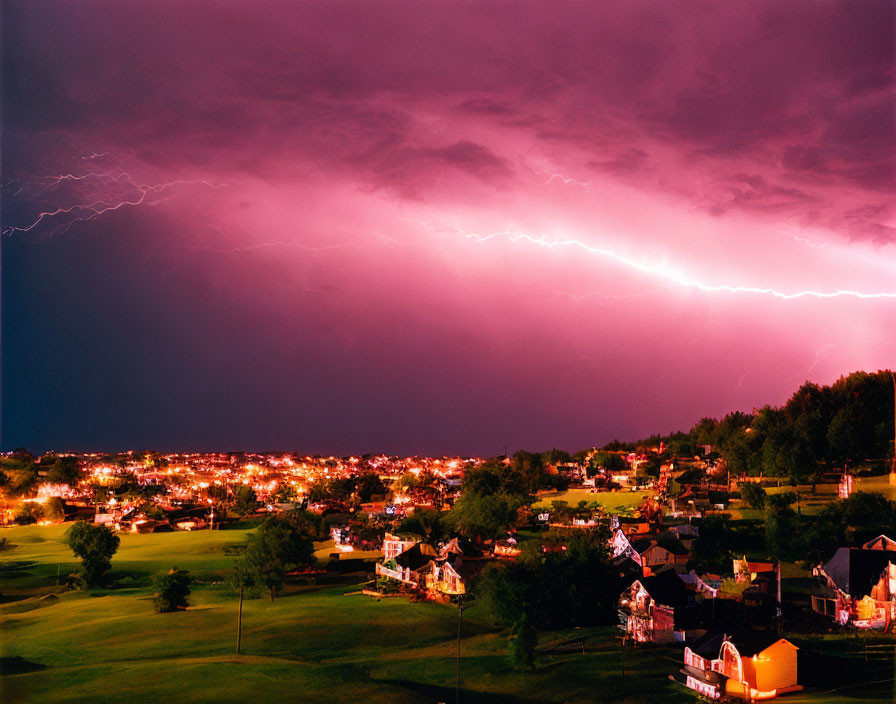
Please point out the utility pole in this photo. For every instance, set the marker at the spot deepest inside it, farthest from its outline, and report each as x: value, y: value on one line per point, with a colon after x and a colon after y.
x: 778, y: 610
x: 622, y: 652
x: 239, y: 623
x: 460, y: 621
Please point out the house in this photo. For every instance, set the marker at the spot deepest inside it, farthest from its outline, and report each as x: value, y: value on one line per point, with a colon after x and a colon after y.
x: 450, y: 574
x: 651, y: 610
x: 654, y: 553
x: 650, y: 552
x: 144, y: 525
x: 750, y: 665
x: 844, y: 488
x: 409, y: 566
x: 445, y: 578
x: 507, y: 548
x: 700, y: 587
x: 859, y: 587
x: 685, y: 531
x: 621, y: 545
x: 393, y: 545
x: 748, y: 570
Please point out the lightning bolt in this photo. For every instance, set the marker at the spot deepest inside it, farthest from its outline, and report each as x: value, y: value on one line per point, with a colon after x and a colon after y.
x: 91, y: 210
x: 803, y: 240
x: 818, y: 356
x: 567, y: 180
x: 59, y: 201
x: 660, y: 269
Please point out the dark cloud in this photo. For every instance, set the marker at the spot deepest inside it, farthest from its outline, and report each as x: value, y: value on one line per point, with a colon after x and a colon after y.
x: 308, y: 134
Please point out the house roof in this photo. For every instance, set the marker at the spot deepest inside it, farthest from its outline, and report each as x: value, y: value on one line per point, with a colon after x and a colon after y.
x: 881, y: 542
x: 748, y: 642
x: 856, y: 571
x: 627, y: 567
x: 641, y: 544
x: 413, y: 558
x: 671, y: 542
x: 461, y: 546
x: 685, y: 530
x: 708, y: 645
x: 752, y: 642
x: 666, y: 588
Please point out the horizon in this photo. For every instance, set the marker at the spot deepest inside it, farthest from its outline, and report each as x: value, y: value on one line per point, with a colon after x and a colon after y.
x: 571, y: 451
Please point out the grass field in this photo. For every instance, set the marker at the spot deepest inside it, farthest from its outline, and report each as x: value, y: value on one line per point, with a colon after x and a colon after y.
x: 812, y: 504
x: 610, y: 500
x: 314, y: 644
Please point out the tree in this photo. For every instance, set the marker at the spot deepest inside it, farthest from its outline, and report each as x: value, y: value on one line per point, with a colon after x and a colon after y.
x: 21, y: 475
x: 305, y: 522
x: 753, y: 495
x: 781, y: 531
x: 171, y: 590
x: 54, y: 509
x: 245, y: 500
x: 523, y: 640
x: 609, y: 461
x: 555, y: 589
x: 712, y: 550
x: 64, y: 470
x: 483, y: 516
x: 782, y: 500
x: 370, y: 485
x: 28, y: 512
x: 275, y: 548
x: 426, y: 524
x: 95, y: 545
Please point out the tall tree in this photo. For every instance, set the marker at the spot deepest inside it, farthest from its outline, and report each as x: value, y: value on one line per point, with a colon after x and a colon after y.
x: 95, y: 545
x: 275, y: 548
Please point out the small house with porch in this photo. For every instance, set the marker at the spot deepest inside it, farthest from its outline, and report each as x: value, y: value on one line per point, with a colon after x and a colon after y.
x: 750, y: 665
x: 858, y: 587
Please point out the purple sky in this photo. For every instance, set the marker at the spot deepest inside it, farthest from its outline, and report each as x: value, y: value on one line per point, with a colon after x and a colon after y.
x: 437, y: 227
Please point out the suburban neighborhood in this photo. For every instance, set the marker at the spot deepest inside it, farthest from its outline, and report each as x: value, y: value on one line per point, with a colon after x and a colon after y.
x: 678, y: 552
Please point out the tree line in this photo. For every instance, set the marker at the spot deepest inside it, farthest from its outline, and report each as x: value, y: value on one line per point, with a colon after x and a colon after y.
x: 818, y: 429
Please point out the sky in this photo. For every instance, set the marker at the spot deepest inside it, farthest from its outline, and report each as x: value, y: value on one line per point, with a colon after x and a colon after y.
x: 436, y: 228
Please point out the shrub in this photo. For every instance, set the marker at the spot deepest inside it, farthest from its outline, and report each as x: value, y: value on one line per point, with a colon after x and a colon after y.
x: 171, y: 590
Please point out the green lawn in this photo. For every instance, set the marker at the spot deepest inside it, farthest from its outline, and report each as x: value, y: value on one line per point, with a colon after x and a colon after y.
x: 314, y: 644
x: 812, y: 504
x: 610, y: 500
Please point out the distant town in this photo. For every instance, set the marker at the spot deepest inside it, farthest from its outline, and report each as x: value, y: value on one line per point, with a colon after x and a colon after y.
x: 745, y: 568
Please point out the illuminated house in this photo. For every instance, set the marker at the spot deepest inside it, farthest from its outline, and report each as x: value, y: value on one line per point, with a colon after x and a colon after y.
x: 844, y: 489
x: 860, y: 586
x: 651, y: 610
x: 445, y: 578
x: 458, y: 564
x: 436, y: 576
x: 507, y: 548
x: 408, y: 566
x: 748, y: 570
x: 393, y: 545
x: 751, y: 665
x: 650, y: 552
